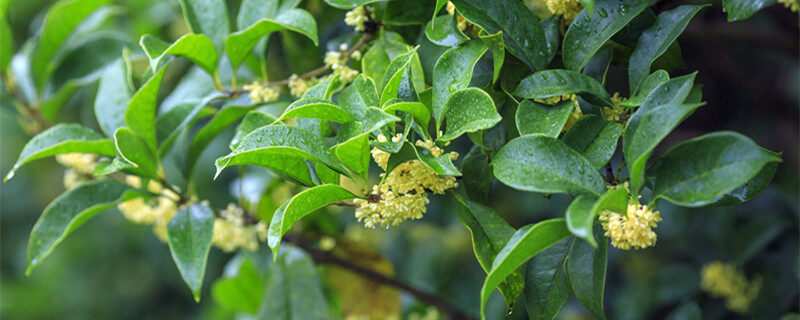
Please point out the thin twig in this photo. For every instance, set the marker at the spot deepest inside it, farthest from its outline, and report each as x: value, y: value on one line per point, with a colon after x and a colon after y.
x: 325, y: 257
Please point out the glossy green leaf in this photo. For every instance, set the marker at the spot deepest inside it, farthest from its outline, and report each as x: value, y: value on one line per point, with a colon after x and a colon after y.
x: 478, y: 177
x: 252, y: 120
x: 547, y: 120
x: 442, y: 164
x: 113, y: 95
x: 209, y: 17
x: 524, y: 244
x: 586, y: 272
x: 655, y: 40
x: 384, y: 49
x: 6, y: 43
x: 490, y: 233
x: 132, y: 148
x: 544, y: 164
x: 359, y: 96
x: 71, y: 210
x: 553, y: 83
x: 498, y: 49
x: 743, y: 9
x: 354, y: 154
x: 592, y: 28
x: 649, y: 84
x: 452, y: 73
x: 61, y: 19
x: 417, y: 110
x: 177, y: 121
x: 522, y: 31
x: 293, y: 291
x: 299, y: 206
x: 468, y: 110
x: 242, y: 285
x: 195, y: 47
x: 580, y: 217
x: 280, y: 148
x: 698, y: 171
x: 140, y: 114
x: 598, y: 65
x: 594, y: 138
x: 108, y: 167
x: 316, y: 108
x: 443, y: 30
x: 60, y: 139
x: 221, y: 120
x: 395, y: 73
x: 546, y: 288
x: 239, y: 44
x: 750, y: 189
x: 189, y: 235
x: 349, y: 4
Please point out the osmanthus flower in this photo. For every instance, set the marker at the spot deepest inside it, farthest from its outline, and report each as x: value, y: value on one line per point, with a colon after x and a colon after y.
x: 792, y: 5
x: 403, y: 194
x: 337, y: 61
x: 156, y: 211
x: 356, y: 18
x: 232, y: 232
x: 568, y: 9
x: 78, y: 166
x: 259, y: 93
x: 617, y: 111
x: 631, y: 229
x: 724, y: 280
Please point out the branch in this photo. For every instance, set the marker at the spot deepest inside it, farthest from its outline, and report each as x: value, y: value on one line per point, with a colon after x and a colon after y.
x: 325, y: 257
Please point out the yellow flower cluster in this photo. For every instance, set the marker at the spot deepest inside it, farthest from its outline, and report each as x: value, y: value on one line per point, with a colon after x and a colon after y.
x: 297, y: 86
x: 83, y: 163
x: 231, y: 232
x: 790, y: 4
x: 259, y: 93
x: 723, y: 280
x: 337, y: 61
x: 568, y: 9
x: 356, y: 18
x: 463, y: 24
x: 616, y: 112
x: 156, y: 211
x: 633, y: 229
x: 403, y: 194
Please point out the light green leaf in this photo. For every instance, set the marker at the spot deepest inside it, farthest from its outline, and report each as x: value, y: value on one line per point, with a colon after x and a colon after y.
x: 417, y: 110
x: 316, y: 108
x: 553, y: 83
x: 698, y: 171
x: 71, y: 210
x: 140, y: 114
x: 468, y: 110
x: 655, y: 40
x: 594, y: 138
x: 252, y: 120
x: 490, y: 233
x: 354, y: 154
x: 108, y: 167
x: 592, y: 28
x: 240, y: 289
x: 453, y: 72
x: 283, y: 149
x: 6, y: 43
x: 60, y: 139
x: 397, y: 70
x: 544, y: 164
x: 301, y: 205
x: 293, y: 291
x: 546, y: 288
x: 113, y: 95
x: 195, y: 47
x: 586, y: 272
x: 443, y: 30
x: 221, y: 120
x: 178, y: 120
x: 743, y: 9
x: 132, y: 148
x: 349, y: 4
x: 189, y: 235
x: 526, y: 243
x: 239, y: 44
x: 209, y: 17
x: 649, y: 84
x: 61, y: 19
x: 442, y: 164
x: 580, y: 218
x: 547, y: 120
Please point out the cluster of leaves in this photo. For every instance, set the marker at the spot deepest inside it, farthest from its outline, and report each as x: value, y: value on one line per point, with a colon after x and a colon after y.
x: 486, y: 85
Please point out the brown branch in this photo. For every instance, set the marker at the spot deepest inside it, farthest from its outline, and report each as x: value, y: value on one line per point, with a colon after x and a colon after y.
x: 325, y: 257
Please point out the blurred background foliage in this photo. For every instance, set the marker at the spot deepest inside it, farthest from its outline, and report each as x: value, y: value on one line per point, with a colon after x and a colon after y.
x: 112, y: 269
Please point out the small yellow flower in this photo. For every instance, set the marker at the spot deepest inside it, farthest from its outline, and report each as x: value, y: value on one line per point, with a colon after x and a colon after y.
x: 568, y: 9
x: 356, y: 18
x: 259, y: 93
x: 72, y: 179
x: 297, y: 86
x: 634, y: 229
x: 83, y: 163
x: 724, y: 280
x: 451, y: 8
x: 792, y: 5
x: 157, y: 211
x: 617, y: 111
x: 231, y: 232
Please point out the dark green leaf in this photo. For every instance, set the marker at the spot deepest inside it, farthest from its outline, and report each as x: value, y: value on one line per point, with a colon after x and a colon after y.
x: 553, y: 83
x: 417, y: 110
x: 195, y: 47
x: 652, y: 82
x: 547, y: 120
x: 140, y: 114
x: 241, y: 289
x: 468, y: 110
x: 252, y: 120
x: 189, y: 235
x: 750, y: 189
x: 443, y: 31
x: 594, y: 138
x: 293, y: 290
x: 209, y: 17
x: 349, y: 4
x: 743, y: 9
x: 132, y: 148
x: 478, y: 178
x: 397, y: 70
x: 113, y: 95
x: 452, y: 73
x: 546, y: 289
x: 224, y: 118
x: 586, y: 272
x: 598, y: 65
x: 580, y: 218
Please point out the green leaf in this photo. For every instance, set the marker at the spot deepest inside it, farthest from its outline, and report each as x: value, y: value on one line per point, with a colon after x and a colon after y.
x: 586, y: 272
x: 743, y: 9
x: 239, y: 44
x: 354, y: 154
x: 594, y: 138
x: 687, y: 310
x: 359, y: 96
x: 301, y: 205
x: 478, y: 178
x: 553, y: 83
x: 443, y: 31
x: 652, y: 82
x: 547, y: 120
x: 498, y: 49
x: 283, y: 149
x: 522, y: 31
x: 113, y: 95
x: 544, y: 164
x: 61, y: 19
x: 598, y: 65
x: 195, y: 47
x: 580, y: 218
x: 242, y: 288
x: 108, y: 167
x: 546, y: 288
x: 209, y: 17
x: 384, y: 49
x: 395, y: 74
x: 452, y: 73
x: 698, y: 171
x: 490, y: 233
x: 221, y: 120
x: 189, y: 235
x: 140, y: 114
x: 442, y: 164
x: 468, y: 110
x: 349, y: 4
x: 252, y: 120
x: 526, y: 243
x: 750, y: 189
x: 590, y: 29
x: 71, y: 210
x: 655, y: 40
x: 6, y: 43
x: 645, y: 129
x: 417, y: 110
x: 179, y: 119
x: 316, y: 108
x: 293, y: 291
x: 60, y: 139
x: 132, y: 148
